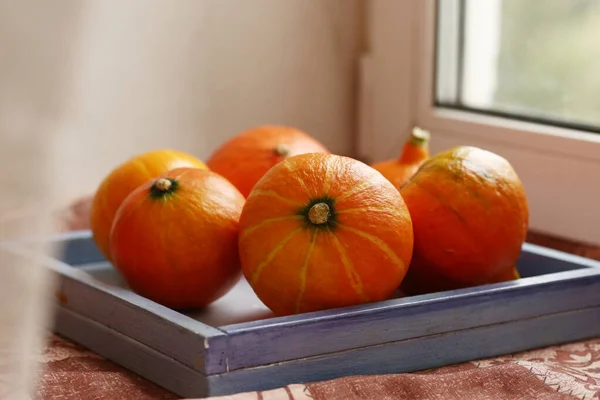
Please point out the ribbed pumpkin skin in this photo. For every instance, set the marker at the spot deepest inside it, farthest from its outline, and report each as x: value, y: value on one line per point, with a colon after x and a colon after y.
x: 470, y: 217
x: 245, y: 158
x: 123, y: 180
x: 359, y: 254
x: 180, y: 249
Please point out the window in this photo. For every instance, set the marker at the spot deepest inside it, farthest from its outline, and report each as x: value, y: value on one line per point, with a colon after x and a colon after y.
x: 517, y: 59
x: 516, y: 77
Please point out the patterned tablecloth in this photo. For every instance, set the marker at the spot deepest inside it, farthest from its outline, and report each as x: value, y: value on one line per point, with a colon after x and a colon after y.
x: 570, y: 371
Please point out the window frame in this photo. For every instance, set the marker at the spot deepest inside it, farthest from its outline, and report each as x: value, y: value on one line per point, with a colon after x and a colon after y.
x: 560, y: 167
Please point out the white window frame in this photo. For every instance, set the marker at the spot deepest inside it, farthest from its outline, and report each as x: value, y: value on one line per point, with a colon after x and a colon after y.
x: 560, y: 167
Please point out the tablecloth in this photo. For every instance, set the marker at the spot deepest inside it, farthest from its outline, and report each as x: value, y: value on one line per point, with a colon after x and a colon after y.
x: 570, y: 371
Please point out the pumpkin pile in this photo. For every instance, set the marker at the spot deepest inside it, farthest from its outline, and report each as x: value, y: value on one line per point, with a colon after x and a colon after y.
x: 309, y: 230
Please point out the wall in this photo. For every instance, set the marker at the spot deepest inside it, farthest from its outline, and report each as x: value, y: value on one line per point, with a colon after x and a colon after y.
x: 148, y: 74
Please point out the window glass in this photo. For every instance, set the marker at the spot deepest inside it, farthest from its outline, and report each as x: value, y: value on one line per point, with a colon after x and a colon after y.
x: 530, y: 59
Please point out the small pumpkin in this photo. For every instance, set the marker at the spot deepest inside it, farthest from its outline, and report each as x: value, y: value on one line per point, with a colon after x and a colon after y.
x: 470, y: 217
x: 174, y: 239
x: 414, y: 152
x: 245, y: 158
x: 321, y: 231
x: 122, y: 180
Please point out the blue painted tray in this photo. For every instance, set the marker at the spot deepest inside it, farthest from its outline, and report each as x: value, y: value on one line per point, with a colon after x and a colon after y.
x: 237, y: 345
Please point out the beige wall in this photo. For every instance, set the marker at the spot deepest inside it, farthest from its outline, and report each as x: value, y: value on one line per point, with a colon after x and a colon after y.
x: 151, y: 74
x: 35, y: 42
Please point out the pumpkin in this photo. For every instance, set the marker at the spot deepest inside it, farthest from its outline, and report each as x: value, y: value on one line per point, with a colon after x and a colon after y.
x: 123, y: 180
x: 174, y: 239
x: 321, y: 231
x: 245, y: 158
x: 414, y: 152
x: 470, y: 217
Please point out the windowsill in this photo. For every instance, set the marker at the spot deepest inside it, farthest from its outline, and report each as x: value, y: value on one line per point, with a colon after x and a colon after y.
x: 565, y: 245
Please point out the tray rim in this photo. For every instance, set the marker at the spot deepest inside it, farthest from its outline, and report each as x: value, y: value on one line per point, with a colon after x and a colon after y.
x: 263, y: 345
x: 220, y: 339
x: 419, y: 300
x: 131, y: 354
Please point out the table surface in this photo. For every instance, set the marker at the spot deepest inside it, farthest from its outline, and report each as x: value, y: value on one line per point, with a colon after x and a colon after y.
x: 561, y: 372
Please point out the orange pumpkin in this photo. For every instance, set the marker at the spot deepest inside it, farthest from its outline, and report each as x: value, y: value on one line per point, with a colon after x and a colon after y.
x: 320, y: 231
x: 123, y: 180
x: 245, y: 158
x: 470, y: 217
x: 414, y: 152
x: 174, y: 239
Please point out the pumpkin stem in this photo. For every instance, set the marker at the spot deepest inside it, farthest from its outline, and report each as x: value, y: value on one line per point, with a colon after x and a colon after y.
x: 163, y: 184
x: 281, y: 150
x: 163, y: 187
x: 419, y: 136
x: 416, y: 148
x: 319, y: 213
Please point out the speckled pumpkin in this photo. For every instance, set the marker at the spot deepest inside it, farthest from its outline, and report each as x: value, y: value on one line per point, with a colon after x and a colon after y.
x: 470, y: 217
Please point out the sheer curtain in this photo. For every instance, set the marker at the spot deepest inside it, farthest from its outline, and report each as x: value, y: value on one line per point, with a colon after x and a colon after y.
x: 83, y: 86
x: 36, y: 43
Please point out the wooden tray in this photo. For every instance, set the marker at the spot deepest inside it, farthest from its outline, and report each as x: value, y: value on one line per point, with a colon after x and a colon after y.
x: 237, y: 345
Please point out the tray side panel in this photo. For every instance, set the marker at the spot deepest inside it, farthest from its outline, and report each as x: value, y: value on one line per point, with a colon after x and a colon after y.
x: 141, y: 359
x: 167, y: 331
x: 181, y: 338
x: 319, y: 333
x: 417, y: 354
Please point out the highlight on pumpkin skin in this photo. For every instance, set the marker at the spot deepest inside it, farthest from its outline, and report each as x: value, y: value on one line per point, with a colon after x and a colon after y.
x: 321, y: 231
x: 304, y: 271
x: 414, y: 152
x: 354, y: 277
